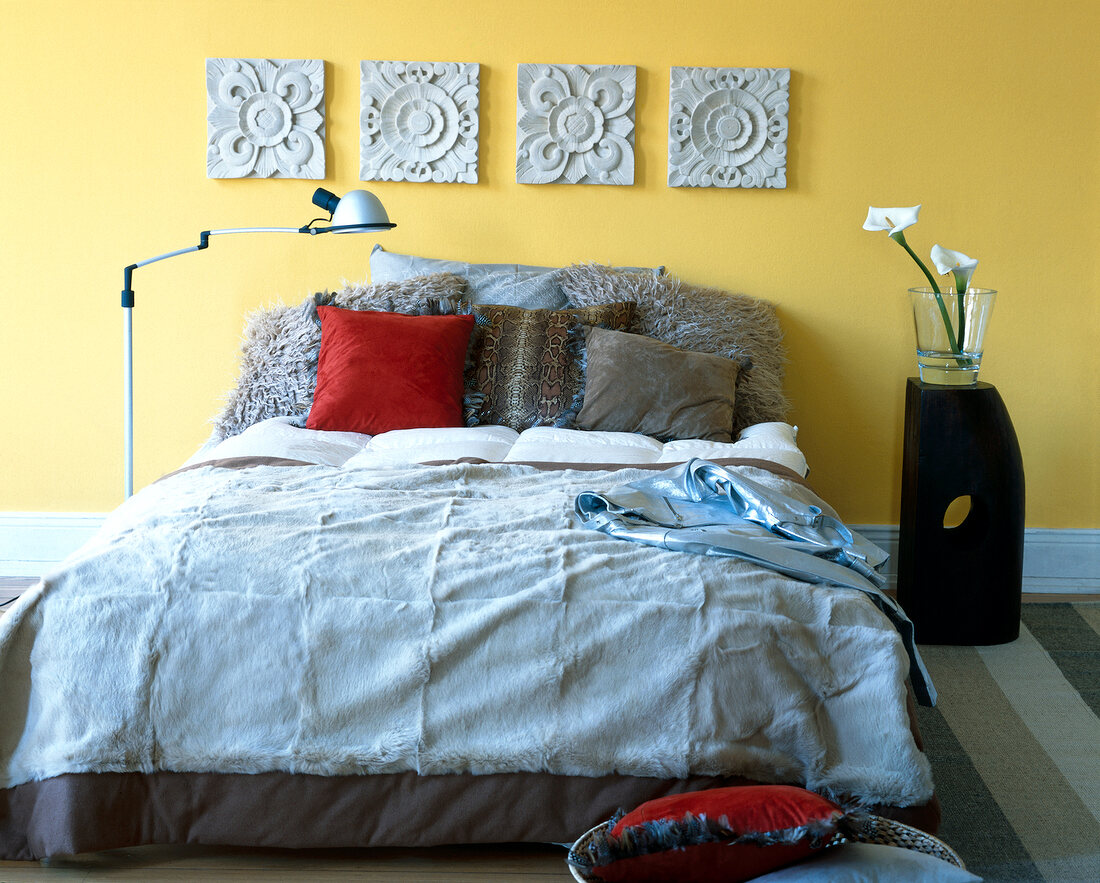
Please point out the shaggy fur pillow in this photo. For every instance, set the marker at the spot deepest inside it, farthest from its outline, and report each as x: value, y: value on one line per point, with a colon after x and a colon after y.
x: 279, y: 351
x: 705, y: 320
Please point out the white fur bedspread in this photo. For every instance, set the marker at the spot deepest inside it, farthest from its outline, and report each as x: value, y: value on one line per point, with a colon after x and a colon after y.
x: 439, y: 619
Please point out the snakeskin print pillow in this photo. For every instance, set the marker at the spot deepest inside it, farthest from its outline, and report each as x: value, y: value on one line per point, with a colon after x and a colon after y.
x: 525, y: 368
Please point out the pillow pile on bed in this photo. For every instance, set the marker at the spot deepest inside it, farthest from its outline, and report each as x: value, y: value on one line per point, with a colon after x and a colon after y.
x: 607, y: 349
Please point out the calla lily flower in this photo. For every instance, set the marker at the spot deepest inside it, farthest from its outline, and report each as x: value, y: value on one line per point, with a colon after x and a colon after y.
x: 962, y: 268
x: 956, y: 263
x: 893, y: 219
x: 896, y: 220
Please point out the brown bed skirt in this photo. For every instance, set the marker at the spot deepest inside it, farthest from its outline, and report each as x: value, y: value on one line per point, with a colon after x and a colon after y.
x: 89, y: 812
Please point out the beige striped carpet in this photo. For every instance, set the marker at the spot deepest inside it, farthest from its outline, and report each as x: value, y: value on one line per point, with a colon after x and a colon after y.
x: 1015, y: 747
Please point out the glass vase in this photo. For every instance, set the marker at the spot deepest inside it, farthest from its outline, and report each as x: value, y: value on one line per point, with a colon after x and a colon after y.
x: 950, y: 329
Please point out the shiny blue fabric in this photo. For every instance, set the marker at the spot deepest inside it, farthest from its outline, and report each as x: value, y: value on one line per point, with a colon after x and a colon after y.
x: 706, y: 509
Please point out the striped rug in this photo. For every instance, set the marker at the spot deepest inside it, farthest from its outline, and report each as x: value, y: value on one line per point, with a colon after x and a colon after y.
x: 1015, y: 747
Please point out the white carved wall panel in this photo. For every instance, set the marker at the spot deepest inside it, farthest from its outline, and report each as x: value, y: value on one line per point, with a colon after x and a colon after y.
x: 575, y: 124
x: 727, y: 127
x: 265, y: 118
x: 418, y: 121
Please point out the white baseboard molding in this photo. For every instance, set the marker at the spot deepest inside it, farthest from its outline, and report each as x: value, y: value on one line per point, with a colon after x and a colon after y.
x: 33, y: 542
x: 1055, y: 561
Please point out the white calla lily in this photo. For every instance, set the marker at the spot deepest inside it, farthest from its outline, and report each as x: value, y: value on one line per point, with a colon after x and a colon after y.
x: 962, y: 268
x: 956, y: 263
x: 893, y: 219
x: 896, y: 220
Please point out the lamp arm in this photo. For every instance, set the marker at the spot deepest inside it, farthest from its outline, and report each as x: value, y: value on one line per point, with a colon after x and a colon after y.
x: 369, y: 215
x: 128, y: 334
x: 204, y: 241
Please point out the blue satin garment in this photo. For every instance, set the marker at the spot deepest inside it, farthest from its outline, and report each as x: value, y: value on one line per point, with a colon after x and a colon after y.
x: 706, y: 509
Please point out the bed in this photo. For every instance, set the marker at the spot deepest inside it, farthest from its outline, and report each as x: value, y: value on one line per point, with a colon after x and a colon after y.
x: 384, y: 630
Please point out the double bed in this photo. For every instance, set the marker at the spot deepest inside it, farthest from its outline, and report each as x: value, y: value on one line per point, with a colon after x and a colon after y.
x: 313, y: 634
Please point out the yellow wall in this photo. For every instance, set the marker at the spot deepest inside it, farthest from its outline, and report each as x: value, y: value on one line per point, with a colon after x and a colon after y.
x: 985, y: 112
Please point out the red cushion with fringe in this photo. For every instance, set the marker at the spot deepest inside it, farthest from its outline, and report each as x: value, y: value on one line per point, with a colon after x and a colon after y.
x: 723, y: 834
x: 381, y: 371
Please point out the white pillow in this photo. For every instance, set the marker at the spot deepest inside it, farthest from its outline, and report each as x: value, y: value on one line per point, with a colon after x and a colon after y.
x: 870, y: 863
x: 763, y: 441
x: 401, y: 447
x: 548, y: 444
x: 770, y: 435
x: 279, y: 437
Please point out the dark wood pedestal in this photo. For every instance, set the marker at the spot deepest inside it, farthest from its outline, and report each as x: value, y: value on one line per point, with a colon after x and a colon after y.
x: 961, y: 585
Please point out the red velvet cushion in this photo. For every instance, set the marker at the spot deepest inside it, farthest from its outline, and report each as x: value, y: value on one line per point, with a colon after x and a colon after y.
x: 752, y: 830
x: 381, y: 371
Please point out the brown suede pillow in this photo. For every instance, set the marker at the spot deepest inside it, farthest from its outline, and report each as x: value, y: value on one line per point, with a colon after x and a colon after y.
x: 638, y: 384
x: 525, y: 368
x: 703, y: 320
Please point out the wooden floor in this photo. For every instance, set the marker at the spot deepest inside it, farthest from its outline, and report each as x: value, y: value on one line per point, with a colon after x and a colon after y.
x: 493, y: 864
x: 10, y: 589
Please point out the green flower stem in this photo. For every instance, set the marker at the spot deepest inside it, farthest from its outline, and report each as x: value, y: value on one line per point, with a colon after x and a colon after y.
x: 962, y: 317
x: 899, y: 238
x: 962, y: 362
x: 960, y: 293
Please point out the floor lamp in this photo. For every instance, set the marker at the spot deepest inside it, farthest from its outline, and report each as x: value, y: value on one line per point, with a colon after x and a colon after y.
x: 358, y: 212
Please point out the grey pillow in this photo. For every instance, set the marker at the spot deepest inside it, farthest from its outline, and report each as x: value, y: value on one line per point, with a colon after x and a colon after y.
x: 516, y: 285
x: 705, y: 320
x: 634, y: 383
x: 280, y: 346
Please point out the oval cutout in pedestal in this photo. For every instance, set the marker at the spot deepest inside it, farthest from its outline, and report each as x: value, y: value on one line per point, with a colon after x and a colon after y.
x: 956, y: 513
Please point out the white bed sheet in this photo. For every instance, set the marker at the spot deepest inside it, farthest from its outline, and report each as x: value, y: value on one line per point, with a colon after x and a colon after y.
x: 279, y: 437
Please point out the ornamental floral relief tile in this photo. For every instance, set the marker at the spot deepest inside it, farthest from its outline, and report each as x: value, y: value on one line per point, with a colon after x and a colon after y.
x: 418, y: 121
x: 575, y: 124
x: 727, y: 127
x: 265, y: 118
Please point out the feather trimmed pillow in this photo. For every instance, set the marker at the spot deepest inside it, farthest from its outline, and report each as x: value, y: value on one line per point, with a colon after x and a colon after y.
x: 705, y: 320
x: 281, y: 344
x: 722, y: 834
